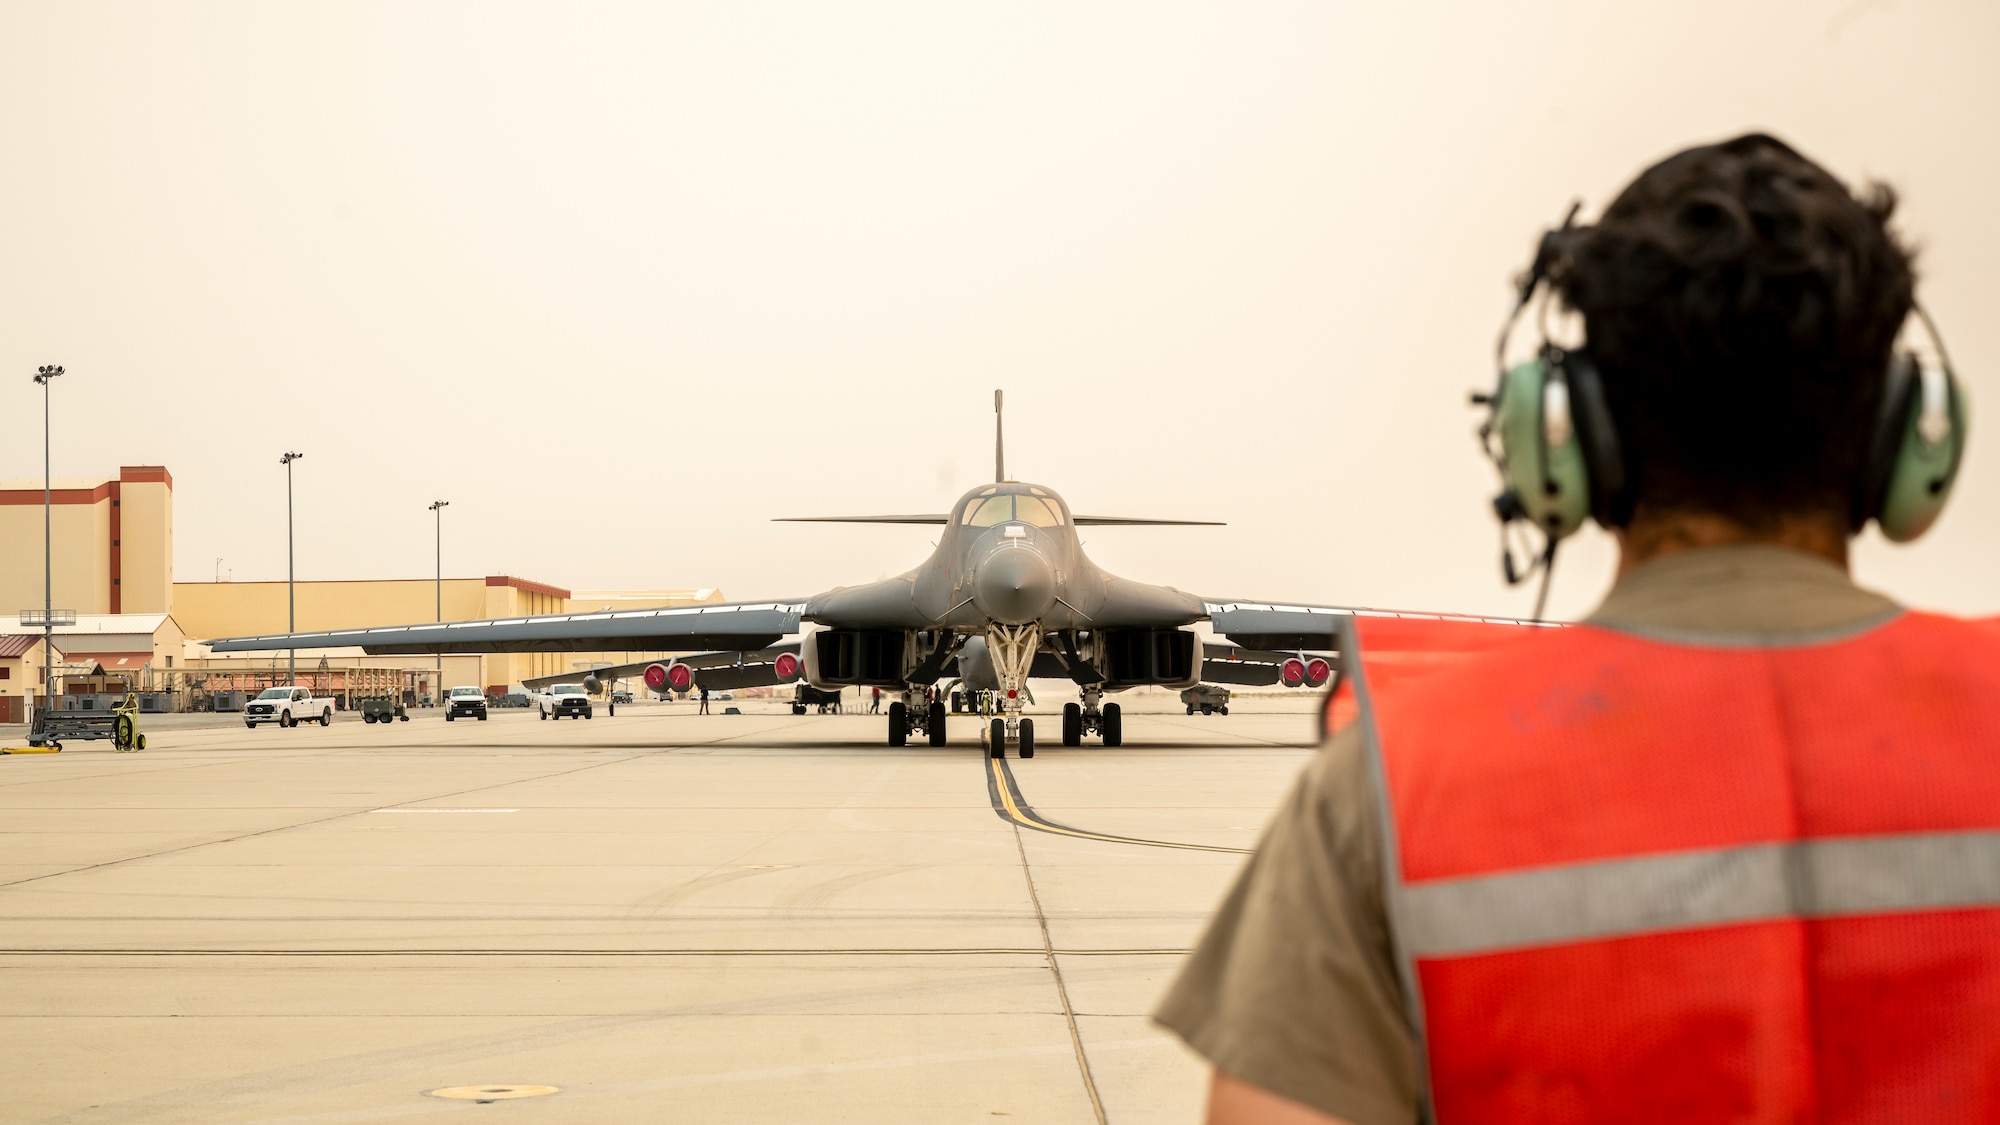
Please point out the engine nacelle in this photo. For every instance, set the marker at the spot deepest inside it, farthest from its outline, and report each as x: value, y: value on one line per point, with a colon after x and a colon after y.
x: 1318, y: 672
x: 1132, y: 657
x: 836, y: 658
x: 664, y: 678
x: 593, y: 685
x: 785, y: 667
x: 1292, y: 673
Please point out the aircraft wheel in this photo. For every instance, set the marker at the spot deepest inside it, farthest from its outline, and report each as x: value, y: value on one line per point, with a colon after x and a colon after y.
x: 1072, y: 728
x: 997, y: 744
x: 1113, y: 725
x: 899, y: 724
x: 936, y: 728
x: 1027, y: 738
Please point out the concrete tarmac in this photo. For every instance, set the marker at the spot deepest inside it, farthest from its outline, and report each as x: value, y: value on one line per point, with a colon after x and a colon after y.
x: 668, y: 918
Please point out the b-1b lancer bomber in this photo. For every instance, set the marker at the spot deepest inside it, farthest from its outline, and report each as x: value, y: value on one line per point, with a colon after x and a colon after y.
x: 1008, y: 595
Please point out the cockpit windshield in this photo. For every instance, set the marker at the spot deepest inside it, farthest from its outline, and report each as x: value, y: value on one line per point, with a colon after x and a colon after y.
x: 996, y: 510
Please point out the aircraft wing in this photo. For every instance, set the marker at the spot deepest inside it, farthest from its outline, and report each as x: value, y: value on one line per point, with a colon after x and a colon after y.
x: 1291, y: 628
x: 746, y: 627
x: 723, y: 671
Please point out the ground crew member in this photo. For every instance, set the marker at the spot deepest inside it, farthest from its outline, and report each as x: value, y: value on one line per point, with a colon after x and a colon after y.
x: 1730, y: 849
x: 704, y: 700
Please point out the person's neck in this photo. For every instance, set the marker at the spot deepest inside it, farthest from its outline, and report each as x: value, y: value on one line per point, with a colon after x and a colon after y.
x: 1655, y: 535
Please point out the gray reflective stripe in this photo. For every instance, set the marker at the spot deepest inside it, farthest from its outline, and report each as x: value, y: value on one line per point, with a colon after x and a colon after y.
x: 1778, y: 638
x: 1685, y: 890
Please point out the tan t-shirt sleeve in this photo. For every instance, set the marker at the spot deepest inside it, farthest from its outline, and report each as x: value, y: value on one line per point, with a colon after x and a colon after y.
x: 1293, y: 987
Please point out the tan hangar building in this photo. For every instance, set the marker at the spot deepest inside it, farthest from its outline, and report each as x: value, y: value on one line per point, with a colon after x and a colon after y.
x: 112, y: 550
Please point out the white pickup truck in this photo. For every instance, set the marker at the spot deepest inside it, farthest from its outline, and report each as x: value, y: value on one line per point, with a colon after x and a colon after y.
x: 465, y: 701
x: 288, y: 707
x: 564, y: 699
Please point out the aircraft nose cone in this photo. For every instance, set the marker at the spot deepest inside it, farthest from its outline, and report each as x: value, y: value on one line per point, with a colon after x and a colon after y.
x: 1014, y: 587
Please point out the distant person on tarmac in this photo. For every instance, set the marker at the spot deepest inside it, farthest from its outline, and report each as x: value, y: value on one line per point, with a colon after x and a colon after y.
x: 1728, y: 850
x: 874, y: 701
x: 704, y: 700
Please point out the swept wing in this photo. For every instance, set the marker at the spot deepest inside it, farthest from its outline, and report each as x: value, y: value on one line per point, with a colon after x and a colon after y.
x: 745, y: 627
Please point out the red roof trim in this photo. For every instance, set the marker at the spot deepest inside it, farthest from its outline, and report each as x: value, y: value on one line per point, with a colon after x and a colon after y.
x: 25, y: 496
x: 530, y: 587
x: 146, y: 474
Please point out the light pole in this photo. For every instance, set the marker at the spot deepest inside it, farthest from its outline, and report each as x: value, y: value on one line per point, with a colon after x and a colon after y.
x: 291, y: 572
x: 45, y: 375
x: 437, y: 509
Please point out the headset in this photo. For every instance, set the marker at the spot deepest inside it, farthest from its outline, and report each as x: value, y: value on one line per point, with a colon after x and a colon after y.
x: 1551, y: 436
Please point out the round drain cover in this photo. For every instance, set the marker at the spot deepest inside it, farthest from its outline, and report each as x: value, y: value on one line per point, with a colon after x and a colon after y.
x: 492, y: 1093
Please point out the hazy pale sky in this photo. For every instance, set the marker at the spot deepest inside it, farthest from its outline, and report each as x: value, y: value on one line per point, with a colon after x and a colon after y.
x: 624, y: 281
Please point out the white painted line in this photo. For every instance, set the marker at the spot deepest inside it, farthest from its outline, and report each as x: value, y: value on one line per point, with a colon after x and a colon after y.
x: 445, y: 810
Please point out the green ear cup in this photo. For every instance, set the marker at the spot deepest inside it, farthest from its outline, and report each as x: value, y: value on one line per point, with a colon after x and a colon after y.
x: 1548, y: 476
x: 1926, y: 466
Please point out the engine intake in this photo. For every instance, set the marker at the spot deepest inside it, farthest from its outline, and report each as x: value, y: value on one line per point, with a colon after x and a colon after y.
x: 1130, y: 657
x: 859, y: 657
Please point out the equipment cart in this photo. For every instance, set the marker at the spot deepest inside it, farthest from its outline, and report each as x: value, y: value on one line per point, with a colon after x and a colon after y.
x: 1206, y: 698
x: 120, y: 725
x: 383, y: 711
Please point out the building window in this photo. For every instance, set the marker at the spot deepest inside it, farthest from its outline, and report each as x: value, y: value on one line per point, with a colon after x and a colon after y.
x: 6, y: 673
x: 170, y: 661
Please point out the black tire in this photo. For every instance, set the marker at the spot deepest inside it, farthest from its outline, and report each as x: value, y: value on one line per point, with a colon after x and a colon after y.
x: 326, y: 716
x: 1114, y: 725
x: 1208, y: 710
x: 1190, y: 708
x: 1225, y: 709
x: 936, y: 729
x: 899, y: 724
x: 997, y: 744
x: 482, y: 716
x: 586, y: 713
x: 285, y: 720
x: 405, y: 716
x: 367, y: 718
x: 252, y: 726
x: 1072, y: 728
x: 141, y: 743
x: 122, y: 732
x: 1027, y: 738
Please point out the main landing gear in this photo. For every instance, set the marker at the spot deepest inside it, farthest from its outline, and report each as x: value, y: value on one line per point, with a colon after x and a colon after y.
x: 910, y: 715
x: 1088, y: 717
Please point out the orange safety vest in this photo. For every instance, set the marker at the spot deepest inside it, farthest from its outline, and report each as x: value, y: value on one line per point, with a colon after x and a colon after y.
x: 1639, y: 880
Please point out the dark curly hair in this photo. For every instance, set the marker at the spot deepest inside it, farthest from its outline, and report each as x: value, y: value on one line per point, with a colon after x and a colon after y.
x: 1741, y: 304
